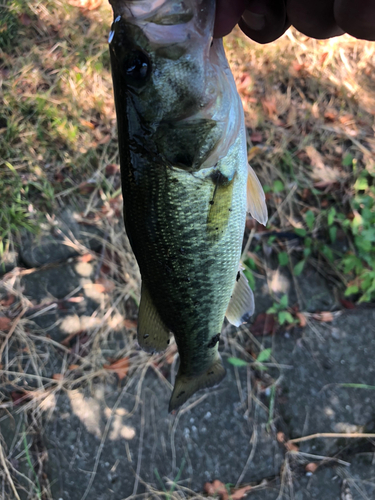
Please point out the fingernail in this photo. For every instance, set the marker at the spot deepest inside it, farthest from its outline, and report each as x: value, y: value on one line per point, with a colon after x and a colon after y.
x: 254, y: 21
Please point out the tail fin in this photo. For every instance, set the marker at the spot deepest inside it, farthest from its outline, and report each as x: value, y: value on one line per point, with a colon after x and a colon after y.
x: 185, y: 386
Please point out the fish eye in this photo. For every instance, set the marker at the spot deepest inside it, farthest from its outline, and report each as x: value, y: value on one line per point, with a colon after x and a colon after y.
x: 137, y: 67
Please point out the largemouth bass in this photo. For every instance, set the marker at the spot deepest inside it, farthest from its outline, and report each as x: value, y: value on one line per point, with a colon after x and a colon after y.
x: 185, y: 179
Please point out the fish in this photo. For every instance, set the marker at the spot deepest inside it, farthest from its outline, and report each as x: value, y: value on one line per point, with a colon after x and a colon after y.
x: 186, y: 182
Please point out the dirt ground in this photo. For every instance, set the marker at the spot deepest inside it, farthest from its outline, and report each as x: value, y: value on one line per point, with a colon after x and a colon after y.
x: 83, y: 411
x: 74, y: 426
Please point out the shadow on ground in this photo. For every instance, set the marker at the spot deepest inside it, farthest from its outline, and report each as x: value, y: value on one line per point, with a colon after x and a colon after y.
x: 73, y: 429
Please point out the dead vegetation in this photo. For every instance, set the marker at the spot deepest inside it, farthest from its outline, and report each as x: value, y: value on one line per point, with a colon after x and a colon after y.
x: 310, y: 108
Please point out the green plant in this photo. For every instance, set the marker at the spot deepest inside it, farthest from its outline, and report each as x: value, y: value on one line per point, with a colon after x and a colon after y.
x: 169, y: 493
x: 280, y: 309
x: 37, y: 488
x: 359, y: 263
x: 262, y: 357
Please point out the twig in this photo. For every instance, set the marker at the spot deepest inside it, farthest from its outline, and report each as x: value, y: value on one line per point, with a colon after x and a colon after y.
x: 11, y: 331
x: 3, y: 463
x: 140, y: 449
x: 349, y: 435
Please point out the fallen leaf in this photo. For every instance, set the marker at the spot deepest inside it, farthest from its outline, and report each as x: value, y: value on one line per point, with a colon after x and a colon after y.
x: 240, y: 493
x: 256, y: 137
x: 298, y: 67
x: 86, y: 4
x: 325, y: 316
x: 216, y: 488
x: 347, y: 304
x: 130, y: 323
x: 291, y: 446
x: 86, y: 187
x: 76, y: 300
x: 311, y: 467
x: 253, y: 152
x: 106, y: 284
x: 8, y: 301
x: 245, y: 84
x: 87, y: 124
x: 323, y: 57
x: 73, y: 367
x: 58, y: 376
x: 330, y: 115
x: 120, y: 367
x: 111, y: 169
x: 264, y: 324
x: 87, y: 257
x: 302, y: 319
x: 19, y: 397
x: 269, y: 106
x: 5, y: 324
x: 280, y: 436
x: 170, y: 354
x: 24, y: 19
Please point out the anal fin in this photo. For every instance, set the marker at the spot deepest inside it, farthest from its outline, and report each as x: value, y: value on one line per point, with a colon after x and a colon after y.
x: 185, y: 387
x: 241, y: 306
x: 153, y: 335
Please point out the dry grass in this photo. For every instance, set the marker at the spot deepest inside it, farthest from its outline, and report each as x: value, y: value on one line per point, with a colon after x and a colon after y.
x: 310, y: 105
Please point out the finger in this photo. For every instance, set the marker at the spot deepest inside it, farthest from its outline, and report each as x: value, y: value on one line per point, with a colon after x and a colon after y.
x: 227, y: 16
x: 356, y: 18
x: 315, y: 18
x: 264, y: 20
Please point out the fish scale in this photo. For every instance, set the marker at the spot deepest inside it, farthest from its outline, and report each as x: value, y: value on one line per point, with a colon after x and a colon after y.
x: 201, y: 277
x: 185, y: 180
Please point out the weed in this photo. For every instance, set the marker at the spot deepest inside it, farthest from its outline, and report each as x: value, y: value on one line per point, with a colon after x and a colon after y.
x: 168, y: 494
x: 30, y: 464
x: 281, y: 310
x: 262, y: 357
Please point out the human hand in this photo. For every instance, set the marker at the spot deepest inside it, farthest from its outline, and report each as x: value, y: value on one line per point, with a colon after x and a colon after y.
x: 266, y: 20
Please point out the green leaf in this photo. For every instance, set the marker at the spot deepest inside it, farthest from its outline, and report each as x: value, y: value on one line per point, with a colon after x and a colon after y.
x: 249, y: 262
x: 358, y: 386
x: 283, y: 258
x: 331, y: 216
x: 309, y: 218
x: 266, y: 188
x: 306, y: 252
x: 351, y: 290
x: 285, y: 317
x: 347, y: 160
x: 237, y: 362
x: 298, y: 268
x: 327, y: 252
x: 284, y: 301
x: 300, y: 231
x: 272, y: 310
x: 264, y: 355
x: 333, y: 233
x: 361, y: 184
x: 278, y: 186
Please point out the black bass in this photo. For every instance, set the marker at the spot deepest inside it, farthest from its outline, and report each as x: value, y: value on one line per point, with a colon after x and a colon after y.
x: 185, y: 179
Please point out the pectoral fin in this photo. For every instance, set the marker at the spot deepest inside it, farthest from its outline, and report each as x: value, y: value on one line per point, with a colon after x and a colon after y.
x: 185, y: 387
x: 153, y: 335
x: 241, y: 305
x: 256, y: 200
